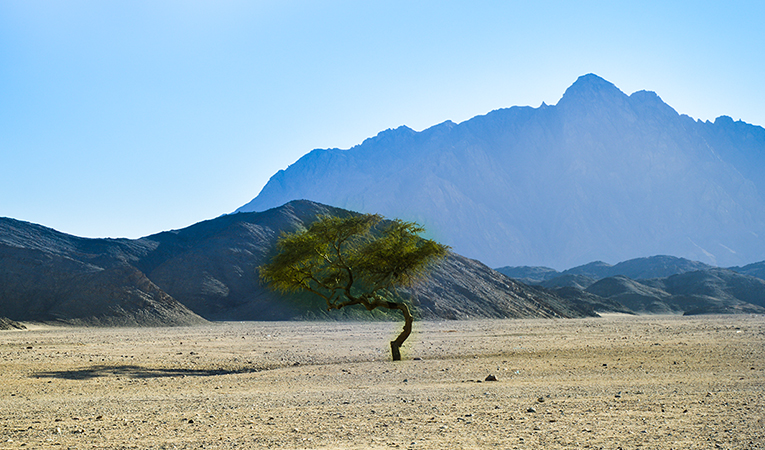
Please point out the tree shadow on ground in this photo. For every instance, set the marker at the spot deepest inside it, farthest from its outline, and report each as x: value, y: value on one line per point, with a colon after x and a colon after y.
x: 134, y: 371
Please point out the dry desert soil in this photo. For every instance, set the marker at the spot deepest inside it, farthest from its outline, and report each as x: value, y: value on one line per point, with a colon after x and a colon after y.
x: 648, y: 382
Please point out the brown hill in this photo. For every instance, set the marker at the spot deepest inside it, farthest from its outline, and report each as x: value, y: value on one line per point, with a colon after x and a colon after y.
x: 39, y: 285
x: 209, y: 270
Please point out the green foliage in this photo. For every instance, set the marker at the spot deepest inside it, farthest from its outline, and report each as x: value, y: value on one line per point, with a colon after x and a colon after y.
x: 357, y: 260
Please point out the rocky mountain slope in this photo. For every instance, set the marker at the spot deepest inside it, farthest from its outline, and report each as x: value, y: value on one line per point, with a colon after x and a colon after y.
x: 50, y: 276
x: 8, y: 324
x: 601, y: 175
x: 208, y: 270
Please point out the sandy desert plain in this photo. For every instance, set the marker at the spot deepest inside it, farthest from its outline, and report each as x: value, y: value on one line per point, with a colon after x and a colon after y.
x: 649, y: 382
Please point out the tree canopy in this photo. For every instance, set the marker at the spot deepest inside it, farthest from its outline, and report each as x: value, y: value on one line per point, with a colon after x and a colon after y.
x: 354, y: 260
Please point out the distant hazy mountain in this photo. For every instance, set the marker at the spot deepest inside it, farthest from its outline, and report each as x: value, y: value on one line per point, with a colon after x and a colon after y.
x: 529, y: 274
x: 755, y: 269
x: 568, y: 280
x: 209, y: 270
x: 655, y: 285
x: 634, y: 295
x: 599, y: 176
x: 711, y: 291
x: 636, y: 269
x: 640, y: 268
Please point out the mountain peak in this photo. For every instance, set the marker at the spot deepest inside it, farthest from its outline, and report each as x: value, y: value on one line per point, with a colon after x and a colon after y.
x: 594, y: 81
x: 391, y: 135
x: 589, y: 87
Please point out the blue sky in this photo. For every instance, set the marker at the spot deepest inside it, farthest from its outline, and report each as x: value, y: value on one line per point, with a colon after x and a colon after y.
x: 126, y: 118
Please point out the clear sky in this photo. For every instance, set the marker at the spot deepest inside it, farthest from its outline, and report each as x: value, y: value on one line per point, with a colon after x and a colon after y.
x: 126, y: 118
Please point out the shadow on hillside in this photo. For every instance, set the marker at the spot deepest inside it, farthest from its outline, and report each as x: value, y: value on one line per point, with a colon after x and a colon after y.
x: 133, y: 371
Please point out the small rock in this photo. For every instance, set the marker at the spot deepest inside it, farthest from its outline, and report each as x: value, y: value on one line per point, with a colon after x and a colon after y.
x: 491, y: 378
x: 531, y: 410
x: 541, y: 399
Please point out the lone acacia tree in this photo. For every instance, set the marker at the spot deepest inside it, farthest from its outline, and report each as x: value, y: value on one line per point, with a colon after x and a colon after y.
x: 357, y: 260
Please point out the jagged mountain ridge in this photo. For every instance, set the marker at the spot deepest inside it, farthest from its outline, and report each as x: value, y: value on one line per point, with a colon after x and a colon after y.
x: 711, y: 291
x: 755, y: 269
x: 659, y: 266
x: 655, y: 285
x: 208, y: 271
x: 599, y: 176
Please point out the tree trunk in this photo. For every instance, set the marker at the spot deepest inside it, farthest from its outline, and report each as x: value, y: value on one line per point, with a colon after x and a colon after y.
x: 396, y: 344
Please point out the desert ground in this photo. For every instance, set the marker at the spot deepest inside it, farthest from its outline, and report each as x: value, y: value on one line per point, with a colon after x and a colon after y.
x: 649, y: 382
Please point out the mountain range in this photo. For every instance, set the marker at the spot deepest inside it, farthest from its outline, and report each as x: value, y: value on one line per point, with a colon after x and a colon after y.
x: 208, y: 271
x: 601, y: 175
x: 637, y: 269
x: 658, y: 284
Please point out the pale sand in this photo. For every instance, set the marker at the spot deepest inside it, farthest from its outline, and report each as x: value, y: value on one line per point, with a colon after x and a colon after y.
x: 652, y: 382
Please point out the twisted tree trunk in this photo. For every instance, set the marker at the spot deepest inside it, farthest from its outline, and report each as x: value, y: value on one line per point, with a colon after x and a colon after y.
x: 395, y: 345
